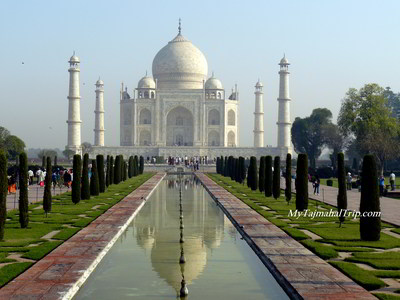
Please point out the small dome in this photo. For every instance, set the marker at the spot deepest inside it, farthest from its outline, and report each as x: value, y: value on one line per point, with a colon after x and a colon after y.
x: 74, y: 59
x: 146, y: 83
x: 213, y: 84
x: 284, y: 61
x: 259, y: 83
x: 99, y: 82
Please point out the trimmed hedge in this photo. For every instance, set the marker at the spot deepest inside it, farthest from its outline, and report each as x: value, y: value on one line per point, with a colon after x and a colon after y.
x: 342, y: 195
x: 94, y: 181
x: 276, y: 185
x: 100, y: 171
x: 288, y: 178
x: 85, y: 189
x: 261, y: 174
x: 47, y: 188
x: 268, y: 176
x: 302, y: 182
x: 23, y: 190
x: 76, y: 182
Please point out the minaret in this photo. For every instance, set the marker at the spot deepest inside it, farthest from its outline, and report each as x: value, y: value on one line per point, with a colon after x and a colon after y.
x: 74, y: 108
x: 284, y: 124
x: 259, y: 116
x: 99, y: 114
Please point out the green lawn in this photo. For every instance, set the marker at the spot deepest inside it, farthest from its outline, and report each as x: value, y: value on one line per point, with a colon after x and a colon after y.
x: 332, y: 238
x: 64, y: 212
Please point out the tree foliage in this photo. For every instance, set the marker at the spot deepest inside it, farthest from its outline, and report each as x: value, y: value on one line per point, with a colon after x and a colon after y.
x: 308, y: 133
x: 47, y: 187
x: 141, y: 165
x: 276, y: 185
x: 370, y: 227
x: 253, y: 172
x: 94, y: 180
x: 100, y: 171
x: 117, y: 170
x: 366, y: 117
x: 288, y: 178
x: 86, y: 147
x: 242, y: 167
x: 261, y: 174
x: 268, y: 176
x: 108, y: 171
x: 23, y: 190
x: 302, y: 182
x: 47, y: 153
x: 342, y: 195
x: 11, y: 144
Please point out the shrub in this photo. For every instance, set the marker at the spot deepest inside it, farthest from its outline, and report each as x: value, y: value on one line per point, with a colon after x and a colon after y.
x: 302, y: 182
x: 85, y: 190
x: 370, y: 227
x: 253, y: 171
x: 342, y: 195
x: 329, y: 182
x: 288, y: 178
x: 276, y: 186
x: 117, y: 170
x: 100, y: 171
x: 141, y: 165
x: 3, y: 192
x: 325, y: 172
x: 108, y: 171
x: 47, y: 188
x: 111, y: 170
x: 23, y: 190
x: 130, y: 167
x: 94, y: 181
x: 261, y: 174
x: 268, y: 176
x: 76, y: 182
x: 242, y: 168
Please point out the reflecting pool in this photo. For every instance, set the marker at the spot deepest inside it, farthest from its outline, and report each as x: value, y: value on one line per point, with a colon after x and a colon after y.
x: 144, y: 262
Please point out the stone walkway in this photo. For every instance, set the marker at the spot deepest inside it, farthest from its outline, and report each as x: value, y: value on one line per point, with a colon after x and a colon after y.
x: 390, y: 208
x: 301, y: 273
x: 60, y: 274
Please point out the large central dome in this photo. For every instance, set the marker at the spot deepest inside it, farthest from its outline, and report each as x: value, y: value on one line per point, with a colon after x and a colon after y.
x: 180, y: 65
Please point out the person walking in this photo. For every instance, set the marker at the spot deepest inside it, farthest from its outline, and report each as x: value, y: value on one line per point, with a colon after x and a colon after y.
x: 381, y: 185
x: 349, y: 179
x: 316, y: 185
x: 392, y: 179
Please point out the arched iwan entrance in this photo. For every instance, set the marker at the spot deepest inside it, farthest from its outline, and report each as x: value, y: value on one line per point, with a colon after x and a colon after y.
x: 179, y: 127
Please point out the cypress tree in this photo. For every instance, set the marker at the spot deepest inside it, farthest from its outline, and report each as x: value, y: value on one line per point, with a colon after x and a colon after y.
x: 76, y: 182
x: 23, y: 190
x: 135, y: 166
x: 218, y: 166
x: 94, y: 181
x: 47, y: 188
x: 302, y: 182
x: 237, y: 172
x: 276, y: 186
x: 121, y: 161
x: 111, y: 170
x: 125, y: 171
x: 355, y: 165
x: 288, y: 178
x: 233, y: 168
x: 253, y: 170
x: 370, y: 226
x: 268, y: 176
x: 141, y: 165
x: 242, y: 167
x: 55, y: 160
x: 85, y: 190
x: 43, y: 162
x: 221, y: 165
x: 117, y: 170
x: 261, y: 174
x: 342, y: 195
x: 100, y: 171
x: 249, y: 176
x: 3, y: 192
x: 130, y: 167
x: 226, y: 167
x: 108, y: 171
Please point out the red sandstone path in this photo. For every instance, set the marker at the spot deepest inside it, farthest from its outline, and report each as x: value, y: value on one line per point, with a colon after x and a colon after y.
x: 390, y: 207
x: 64, y: 268
x: 304, y: 274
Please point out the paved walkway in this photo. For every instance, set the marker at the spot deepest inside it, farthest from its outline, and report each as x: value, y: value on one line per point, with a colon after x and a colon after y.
x: 390, y: 207
x: 35, y: 194
x: 302, y: 274
x: 59, y: 274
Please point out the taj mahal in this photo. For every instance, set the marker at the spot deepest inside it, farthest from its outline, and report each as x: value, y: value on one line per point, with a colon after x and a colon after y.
x: 179, y: 110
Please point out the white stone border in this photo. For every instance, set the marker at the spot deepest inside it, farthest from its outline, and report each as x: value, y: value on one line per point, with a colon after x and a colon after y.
x: 86, y: 273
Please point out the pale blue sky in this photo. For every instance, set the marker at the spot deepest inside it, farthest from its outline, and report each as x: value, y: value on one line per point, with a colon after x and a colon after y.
x: 332, y: 45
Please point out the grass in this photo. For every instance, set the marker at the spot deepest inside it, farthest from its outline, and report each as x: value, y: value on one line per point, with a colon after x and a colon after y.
x: 361, y: 276
x: 333, y: 239
x: 383, y: 296
x: 63, y: 212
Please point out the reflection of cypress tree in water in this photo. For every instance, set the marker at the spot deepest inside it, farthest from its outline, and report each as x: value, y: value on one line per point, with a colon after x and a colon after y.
x: 158, y: 230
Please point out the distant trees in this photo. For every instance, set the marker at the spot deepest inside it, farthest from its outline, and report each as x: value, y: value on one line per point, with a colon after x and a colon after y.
x: 46, y: 153
x: 302, y: 182
x: 3, y: 192
x: 23, y: 190
x: 47, y: 188
x: 86, y: 147
x: 11, y: 144
x: 370, y: 226
x: 76, y: 180
x: 276, y: 185
x: 68, y: 153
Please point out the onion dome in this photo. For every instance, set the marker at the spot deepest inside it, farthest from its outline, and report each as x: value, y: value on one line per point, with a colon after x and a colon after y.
x: 213, y: 83
x: 146, y: 83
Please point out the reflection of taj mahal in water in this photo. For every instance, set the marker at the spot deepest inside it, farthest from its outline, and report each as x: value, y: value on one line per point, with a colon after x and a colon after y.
x: 180, y: 111
x: 156, y: 231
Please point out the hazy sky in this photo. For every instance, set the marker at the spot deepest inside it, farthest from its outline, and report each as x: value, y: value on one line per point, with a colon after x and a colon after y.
x: 332, y: 46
